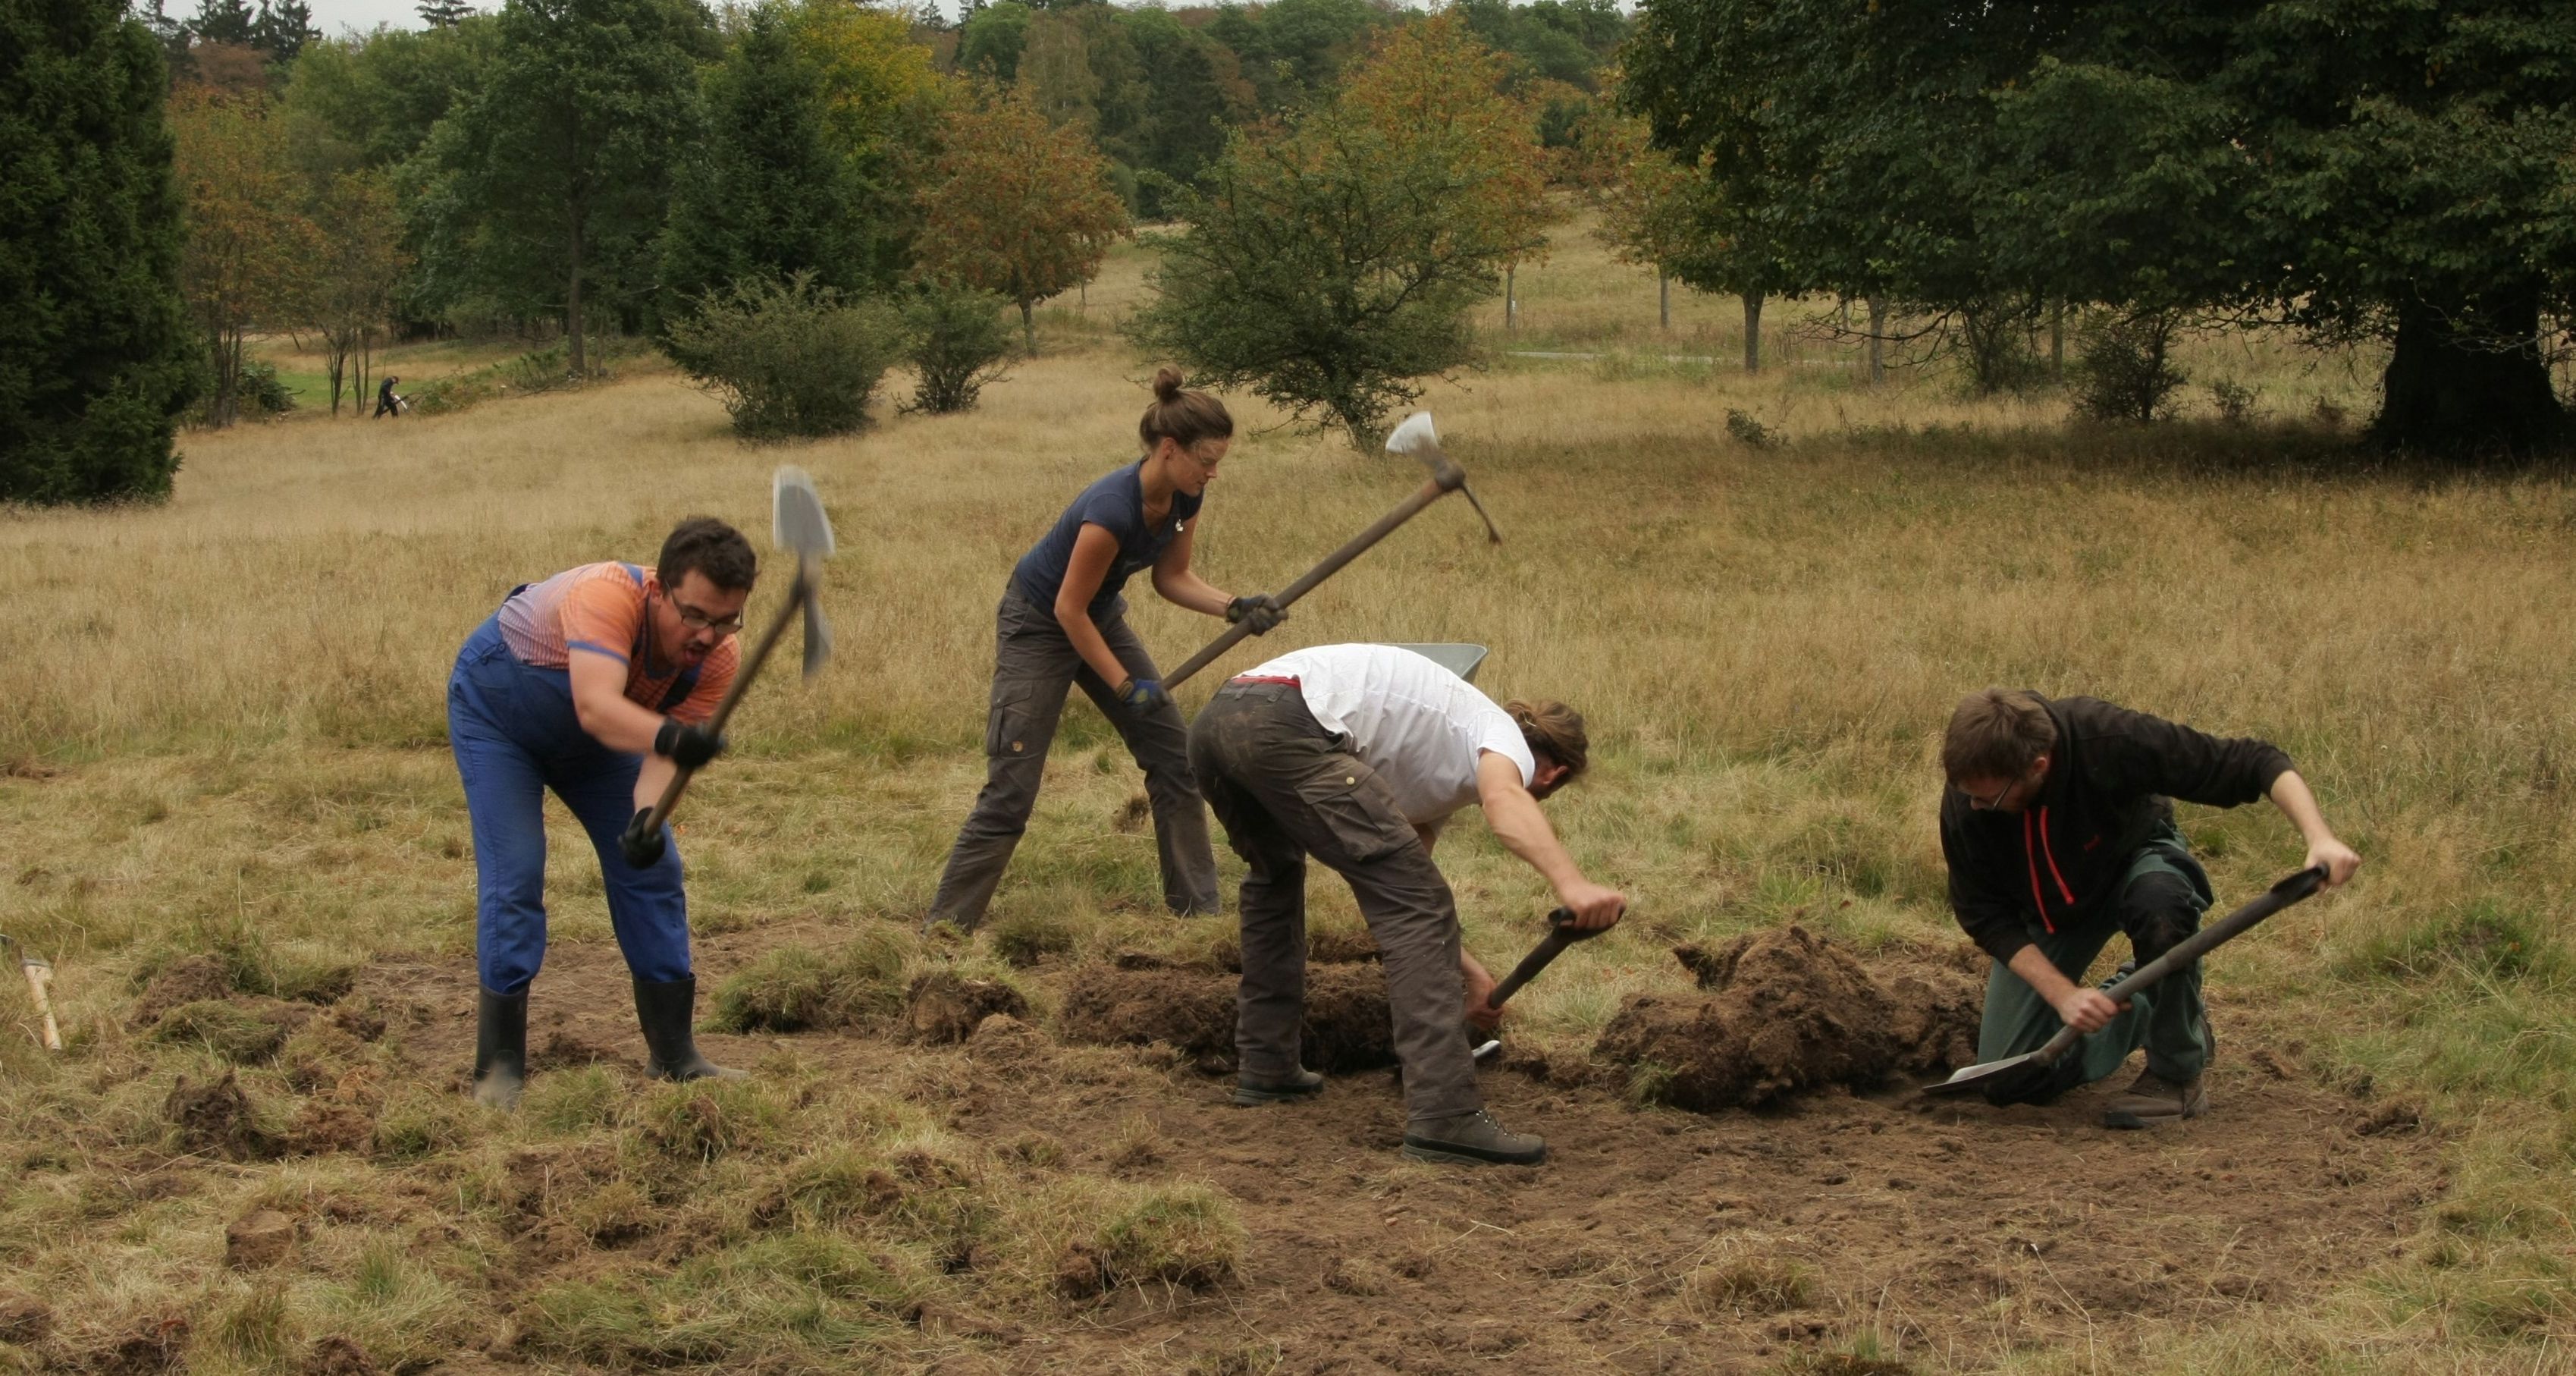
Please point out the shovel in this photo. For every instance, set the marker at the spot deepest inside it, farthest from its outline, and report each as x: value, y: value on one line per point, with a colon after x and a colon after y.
x: 2016, y: 1074
x: 1561, y: 933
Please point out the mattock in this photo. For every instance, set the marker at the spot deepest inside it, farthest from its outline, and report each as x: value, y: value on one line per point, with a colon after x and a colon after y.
x: 1414, y: 438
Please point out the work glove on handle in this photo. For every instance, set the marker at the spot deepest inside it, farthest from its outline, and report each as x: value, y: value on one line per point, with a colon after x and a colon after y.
x: 1258, y: 612
x: 689, y: 747
x: 642, y: 848
x: 1142, y: 694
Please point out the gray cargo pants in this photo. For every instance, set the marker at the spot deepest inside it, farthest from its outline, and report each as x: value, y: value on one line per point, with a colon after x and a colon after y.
x: 1286, y: 789
x: 2160, y: 902
x: 1033, y: 664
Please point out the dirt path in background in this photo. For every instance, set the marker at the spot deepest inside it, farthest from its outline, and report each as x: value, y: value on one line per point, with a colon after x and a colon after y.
x: 1652, y: 1240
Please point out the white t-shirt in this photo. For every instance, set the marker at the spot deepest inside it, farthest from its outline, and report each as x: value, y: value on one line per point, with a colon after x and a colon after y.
x: 1418, y: 725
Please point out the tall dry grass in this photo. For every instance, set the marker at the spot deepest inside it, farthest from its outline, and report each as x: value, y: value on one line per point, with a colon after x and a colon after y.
x: 226, y: 711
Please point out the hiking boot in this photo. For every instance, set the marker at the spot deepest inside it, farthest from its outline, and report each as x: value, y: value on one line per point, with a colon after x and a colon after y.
x: 1473, y: 1139
x: 1252, y: 1093
x: 500, y: 1048
x: 668, y: 1009
x: 2153, y: 1099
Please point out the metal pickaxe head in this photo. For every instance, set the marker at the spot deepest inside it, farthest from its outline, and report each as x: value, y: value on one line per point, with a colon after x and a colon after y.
x: 1416, y: 438
x: 799, y: 525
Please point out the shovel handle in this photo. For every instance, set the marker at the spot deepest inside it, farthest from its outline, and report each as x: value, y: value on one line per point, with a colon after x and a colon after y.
x: 1325, y: 568
x: 2272, y: 900
x: 797, y: 594
x: 1561, y: 933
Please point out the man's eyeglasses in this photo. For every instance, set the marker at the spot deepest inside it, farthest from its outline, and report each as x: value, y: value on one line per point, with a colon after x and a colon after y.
x: 1990, y: 803
x: 697, y: 620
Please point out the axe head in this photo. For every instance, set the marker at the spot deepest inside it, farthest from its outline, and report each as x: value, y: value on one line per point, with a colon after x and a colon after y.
x: 1416, y: 439
x: 798, y: 522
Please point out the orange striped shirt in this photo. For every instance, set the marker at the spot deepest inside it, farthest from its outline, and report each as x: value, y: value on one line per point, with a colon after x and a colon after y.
x: 599, y: 609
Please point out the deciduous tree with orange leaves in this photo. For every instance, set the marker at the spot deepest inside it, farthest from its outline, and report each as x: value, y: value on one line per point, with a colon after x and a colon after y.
x: 1016, y: 207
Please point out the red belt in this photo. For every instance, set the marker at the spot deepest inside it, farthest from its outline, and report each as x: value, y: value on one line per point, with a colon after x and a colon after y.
x: 1265, y: 678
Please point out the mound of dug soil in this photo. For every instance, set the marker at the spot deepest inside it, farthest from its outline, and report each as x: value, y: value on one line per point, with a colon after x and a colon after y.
x: 1192, y: 1009
x: 1788, y: 1011
x: 217, y: 1119
x: 944, y: 1008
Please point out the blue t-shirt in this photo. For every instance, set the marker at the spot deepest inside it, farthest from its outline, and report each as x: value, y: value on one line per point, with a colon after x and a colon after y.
x: 1116, y: 504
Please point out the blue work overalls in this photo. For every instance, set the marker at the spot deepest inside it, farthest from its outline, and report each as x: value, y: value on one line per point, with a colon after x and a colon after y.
x: 515, y: 735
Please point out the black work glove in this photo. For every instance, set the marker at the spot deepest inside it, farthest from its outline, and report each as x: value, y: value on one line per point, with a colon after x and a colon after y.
x: 1260, y: 611
x: 1142, y: 694
x: 643, y: 849
x: 689, y: 747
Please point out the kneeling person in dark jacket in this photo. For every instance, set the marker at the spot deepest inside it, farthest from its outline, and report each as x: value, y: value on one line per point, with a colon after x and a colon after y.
x: 2058, y: 832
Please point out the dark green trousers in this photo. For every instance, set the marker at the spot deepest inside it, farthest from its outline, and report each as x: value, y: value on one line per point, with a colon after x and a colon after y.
x: 2159, y: 902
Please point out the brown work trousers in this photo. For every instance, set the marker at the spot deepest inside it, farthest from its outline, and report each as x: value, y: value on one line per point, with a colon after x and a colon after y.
x: 1285, y: 789
x: 1033, y: 663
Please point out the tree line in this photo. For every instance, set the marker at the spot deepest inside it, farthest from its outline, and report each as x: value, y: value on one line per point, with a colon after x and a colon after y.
x: 1346, y: 180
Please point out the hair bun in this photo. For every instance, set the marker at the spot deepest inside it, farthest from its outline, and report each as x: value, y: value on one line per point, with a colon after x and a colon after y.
x: 1167, y: 385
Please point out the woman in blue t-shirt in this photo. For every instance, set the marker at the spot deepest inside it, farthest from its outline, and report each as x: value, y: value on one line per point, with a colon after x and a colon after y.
x: 1063, y: 621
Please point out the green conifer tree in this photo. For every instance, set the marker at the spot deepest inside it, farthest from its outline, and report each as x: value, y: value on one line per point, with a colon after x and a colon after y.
x: 766, y: 195
x: 95, y: 357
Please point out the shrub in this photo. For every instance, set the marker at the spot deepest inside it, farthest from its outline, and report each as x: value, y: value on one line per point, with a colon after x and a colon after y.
x: 788, y: 358
x: 1745, y: 430
x: 261, y: 392
x: 2124, y: 369
x: 2234, y: 400
x: 956, y: 341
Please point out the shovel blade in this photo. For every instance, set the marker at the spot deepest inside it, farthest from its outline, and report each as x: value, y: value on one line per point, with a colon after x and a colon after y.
x: 797, y: 520
x: 1990, y: 1076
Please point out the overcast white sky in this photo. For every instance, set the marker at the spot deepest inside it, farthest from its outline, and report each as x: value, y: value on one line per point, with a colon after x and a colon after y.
x: 332, y: 16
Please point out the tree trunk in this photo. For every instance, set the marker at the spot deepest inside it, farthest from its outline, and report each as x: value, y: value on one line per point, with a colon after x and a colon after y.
x: 1877, y: 340
x: 574, y: 359
x: 1029, y: 324
x: 2465, y: 380
x: 1511, y: 301
x: 2057, y: 339
x: 1663, y: 301
x: 1753, y: 332
x: 338, y: 358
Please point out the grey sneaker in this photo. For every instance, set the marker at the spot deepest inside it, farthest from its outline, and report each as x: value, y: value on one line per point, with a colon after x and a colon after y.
x: 1252, y: 1093
x: 2153, y: 1099
x: 1473, y: 1139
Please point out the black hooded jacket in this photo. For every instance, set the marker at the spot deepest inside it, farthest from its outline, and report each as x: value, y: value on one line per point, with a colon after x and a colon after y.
x: 2013, y: 875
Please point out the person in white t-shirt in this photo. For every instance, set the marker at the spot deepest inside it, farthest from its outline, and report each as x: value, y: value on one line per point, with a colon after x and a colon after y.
x: 1355, y: 754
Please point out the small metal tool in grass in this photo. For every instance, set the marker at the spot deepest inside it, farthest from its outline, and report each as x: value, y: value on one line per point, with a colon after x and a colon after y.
x: 2013, y: 1076
x: 1561, y: 933
x: 798, y: 524
x: 40, y: 977
x: 1415, y: 439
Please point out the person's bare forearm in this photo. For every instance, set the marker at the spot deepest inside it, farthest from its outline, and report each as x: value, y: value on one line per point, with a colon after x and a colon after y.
x: 1187, y: 589
x: 2041, y: 974
x: 2291, y: 794
x: 606, y: 714
x: 1089, y: 643
x: 1516, y: 821
x: 654, y: 777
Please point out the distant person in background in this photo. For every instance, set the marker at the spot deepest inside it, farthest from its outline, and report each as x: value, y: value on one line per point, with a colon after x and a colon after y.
x: 387, y: 404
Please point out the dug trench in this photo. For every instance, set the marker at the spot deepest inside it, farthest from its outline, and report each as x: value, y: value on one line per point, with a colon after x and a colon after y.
x: 1840, y: 1213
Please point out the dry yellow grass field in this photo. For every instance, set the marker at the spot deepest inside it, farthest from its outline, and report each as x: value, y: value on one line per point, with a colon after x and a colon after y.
x: 226, y: 732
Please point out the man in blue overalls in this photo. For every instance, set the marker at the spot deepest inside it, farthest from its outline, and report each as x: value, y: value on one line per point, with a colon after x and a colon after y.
x: 595, y: 684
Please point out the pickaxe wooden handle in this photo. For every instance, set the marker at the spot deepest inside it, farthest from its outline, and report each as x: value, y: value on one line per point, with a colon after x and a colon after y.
x: 1561, y: 933
x: 797, y: 596
x: 1331, y: 564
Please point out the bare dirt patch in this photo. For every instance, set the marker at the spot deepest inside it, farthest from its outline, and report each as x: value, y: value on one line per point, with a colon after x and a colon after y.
x: 1652, y: 1240
x: 1191, y: 1009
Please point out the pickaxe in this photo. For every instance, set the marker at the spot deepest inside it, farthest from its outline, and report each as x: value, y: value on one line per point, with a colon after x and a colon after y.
x: 39, y: 973
x: 798, y: 524
x: 1414, y: 438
